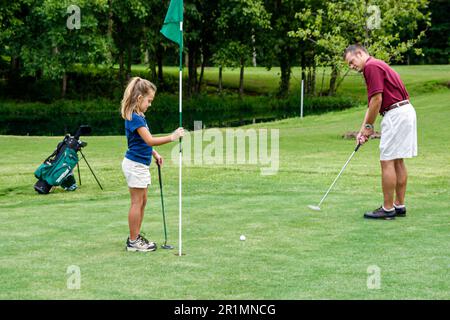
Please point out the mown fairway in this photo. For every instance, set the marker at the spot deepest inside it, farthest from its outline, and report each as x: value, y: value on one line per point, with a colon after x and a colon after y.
x: 290, y: 252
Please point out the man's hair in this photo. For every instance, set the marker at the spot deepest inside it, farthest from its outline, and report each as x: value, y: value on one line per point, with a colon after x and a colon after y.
x: 353, y: 48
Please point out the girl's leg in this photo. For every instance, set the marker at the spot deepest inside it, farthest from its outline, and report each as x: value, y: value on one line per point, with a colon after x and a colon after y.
x: 144, y: 203
x: 135, y: 214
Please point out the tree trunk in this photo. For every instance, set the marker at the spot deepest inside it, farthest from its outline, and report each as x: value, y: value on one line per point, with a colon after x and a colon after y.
x: 303, y: 65
x: 14, y: 68
x: 308, y: 81
x: 285, y: 68
x: 313, y: 81
x: 121, y: 67
x: 200, y: 80
x: 110, y: 19
x: 254, y: 48
x: 241, y: 79
x: 110, y: 30
x: 64, y: 85
x: 159, y: 59
x: 334, y: 75
x: 220, y: 79
x: 323, y: 78
x: 153, y: 71
x: 342, y: 79
x: 192, y: 75
x: 129, y: 61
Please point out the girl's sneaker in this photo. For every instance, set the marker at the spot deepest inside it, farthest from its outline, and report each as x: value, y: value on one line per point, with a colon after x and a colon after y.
x: 140, y: 244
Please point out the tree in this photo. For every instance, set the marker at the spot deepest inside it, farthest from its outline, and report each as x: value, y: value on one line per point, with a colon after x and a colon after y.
x: 340, y: 23
x: 154, y: 43
x: 436, y: 44
x: 240, y: 23
x: 128, y: 31
x: 278, y: 48
x: 45, y: 39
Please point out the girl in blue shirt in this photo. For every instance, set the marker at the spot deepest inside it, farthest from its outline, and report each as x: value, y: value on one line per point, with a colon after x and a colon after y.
x: 137, y: 98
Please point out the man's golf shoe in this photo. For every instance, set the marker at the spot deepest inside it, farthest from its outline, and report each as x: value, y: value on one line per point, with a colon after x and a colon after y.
x: 380, y: 213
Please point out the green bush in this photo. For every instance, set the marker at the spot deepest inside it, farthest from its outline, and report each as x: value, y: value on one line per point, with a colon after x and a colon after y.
x: 63, y: 116
x: 83, y: 83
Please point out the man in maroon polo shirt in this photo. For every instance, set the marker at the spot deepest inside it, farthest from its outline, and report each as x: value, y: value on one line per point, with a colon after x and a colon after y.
x: 387, y: 95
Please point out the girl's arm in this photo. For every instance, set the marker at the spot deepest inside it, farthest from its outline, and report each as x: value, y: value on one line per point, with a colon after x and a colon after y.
x: 157, y: 141
x: 159, y: 160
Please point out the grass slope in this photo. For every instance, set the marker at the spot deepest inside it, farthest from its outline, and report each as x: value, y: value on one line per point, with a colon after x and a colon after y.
x: 419, y: 79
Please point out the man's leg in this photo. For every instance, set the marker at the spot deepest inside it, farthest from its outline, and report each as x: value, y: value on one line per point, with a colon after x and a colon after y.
x: 388, y: 182
x: 402, y: 177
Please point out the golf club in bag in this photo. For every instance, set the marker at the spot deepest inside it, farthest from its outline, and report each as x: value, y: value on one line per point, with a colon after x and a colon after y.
x: 317, y: 208
x: 165, y: 245
x: 57, y: 169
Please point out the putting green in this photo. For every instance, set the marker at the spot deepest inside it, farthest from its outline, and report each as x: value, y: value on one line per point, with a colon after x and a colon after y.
x: 290, y: 252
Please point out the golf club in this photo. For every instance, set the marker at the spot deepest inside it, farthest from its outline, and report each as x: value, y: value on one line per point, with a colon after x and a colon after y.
x: 165, y: 245
x: 317, y: 208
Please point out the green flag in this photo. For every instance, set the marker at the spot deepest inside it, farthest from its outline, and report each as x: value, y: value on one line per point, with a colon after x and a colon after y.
x: 171, y: 28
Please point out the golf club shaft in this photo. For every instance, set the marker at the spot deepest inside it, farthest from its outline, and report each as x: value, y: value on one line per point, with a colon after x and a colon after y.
x: 162, y: 202
x: 342, y: 170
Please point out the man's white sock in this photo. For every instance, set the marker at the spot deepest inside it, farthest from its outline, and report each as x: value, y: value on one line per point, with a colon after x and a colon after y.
x: 400, y: 206
x: 390, y: 210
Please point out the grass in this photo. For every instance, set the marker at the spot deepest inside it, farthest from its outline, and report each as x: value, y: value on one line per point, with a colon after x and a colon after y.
x: 419, y: 79
x: 290, y: 252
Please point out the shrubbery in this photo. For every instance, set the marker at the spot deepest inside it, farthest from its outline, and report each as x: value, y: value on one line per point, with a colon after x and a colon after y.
x: 93, y: 97
x: 62, y: 116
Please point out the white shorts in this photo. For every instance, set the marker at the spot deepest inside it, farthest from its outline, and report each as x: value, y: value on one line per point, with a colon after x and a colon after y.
x: 136, y: 174
x: 399, y: 133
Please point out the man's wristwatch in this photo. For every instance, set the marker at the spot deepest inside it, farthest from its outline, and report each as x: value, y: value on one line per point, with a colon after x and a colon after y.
x: 368, y: 126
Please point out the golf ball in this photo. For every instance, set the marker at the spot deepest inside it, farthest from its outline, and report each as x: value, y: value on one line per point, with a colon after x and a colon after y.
x: 242, y: 238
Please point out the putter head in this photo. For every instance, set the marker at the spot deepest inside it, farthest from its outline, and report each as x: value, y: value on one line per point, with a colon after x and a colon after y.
x: 315, y: 208
x: 167, y: 246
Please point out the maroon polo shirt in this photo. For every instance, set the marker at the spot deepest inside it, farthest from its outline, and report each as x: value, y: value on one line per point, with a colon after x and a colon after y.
x: 382, y: 78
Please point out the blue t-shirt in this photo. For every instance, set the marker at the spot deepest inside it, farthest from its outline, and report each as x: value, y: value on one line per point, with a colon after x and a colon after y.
x: 138, y: 150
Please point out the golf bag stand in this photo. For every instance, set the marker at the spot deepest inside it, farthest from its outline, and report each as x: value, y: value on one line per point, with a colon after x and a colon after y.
x: 92, y: 171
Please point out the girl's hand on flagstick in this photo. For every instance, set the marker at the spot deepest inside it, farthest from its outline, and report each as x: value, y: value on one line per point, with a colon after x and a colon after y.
x: 177, y: 134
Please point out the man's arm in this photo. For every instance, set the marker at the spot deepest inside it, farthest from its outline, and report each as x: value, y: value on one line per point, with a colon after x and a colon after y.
x: 371, y: 116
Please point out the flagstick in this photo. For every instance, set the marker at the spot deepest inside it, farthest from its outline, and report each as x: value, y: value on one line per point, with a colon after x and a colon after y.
x: 181, y: 151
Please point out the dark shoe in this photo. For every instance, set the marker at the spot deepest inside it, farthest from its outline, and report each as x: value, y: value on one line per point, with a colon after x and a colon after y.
x: 400, y: 212
x: 380, y: 213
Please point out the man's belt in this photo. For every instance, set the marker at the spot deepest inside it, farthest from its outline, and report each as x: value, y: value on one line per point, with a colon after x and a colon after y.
x: 395, y: 105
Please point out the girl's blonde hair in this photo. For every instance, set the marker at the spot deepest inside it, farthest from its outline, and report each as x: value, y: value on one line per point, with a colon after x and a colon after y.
x: 136, y: 87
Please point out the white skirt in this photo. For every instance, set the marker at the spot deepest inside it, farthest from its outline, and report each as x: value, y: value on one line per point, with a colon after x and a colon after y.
x: 399, y: 133
x: 136, y: 174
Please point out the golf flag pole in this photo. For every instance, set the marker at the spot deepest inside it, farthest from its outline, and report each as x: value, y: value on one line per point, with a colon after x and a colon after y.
x: 301, y: 101
x: 180, y: 142
x: 173, y: 30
